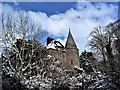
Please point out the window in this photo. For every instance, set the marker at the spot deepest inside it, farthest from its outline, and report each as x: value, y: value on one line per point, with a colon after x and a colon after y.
x: 71, y: 61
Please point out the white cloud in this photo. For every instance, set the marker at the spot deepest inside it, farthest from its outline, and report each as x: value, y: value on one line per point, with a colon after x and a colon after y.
x: 80, y: 20
x: 7, y: 8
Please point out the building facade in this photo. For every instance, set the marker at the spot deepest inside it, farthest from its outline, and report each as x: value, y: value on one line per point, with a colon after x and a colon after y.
x: 68, y: 55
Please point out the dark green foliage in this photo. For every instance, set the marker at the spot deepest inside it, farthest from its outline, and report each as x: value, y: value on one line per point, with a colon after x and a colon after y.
x: 86, y: 59
x: 61, y: 87
x: 9, y: 83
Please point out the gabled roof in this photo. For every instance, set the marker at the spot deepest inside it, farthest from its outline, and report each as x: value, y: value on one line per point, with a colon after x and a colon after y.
x: 70, y: 41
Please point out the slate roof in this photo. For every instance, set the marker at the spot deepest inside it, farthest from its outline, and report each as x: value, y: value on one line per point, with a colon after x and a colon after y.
x: 70, y: 43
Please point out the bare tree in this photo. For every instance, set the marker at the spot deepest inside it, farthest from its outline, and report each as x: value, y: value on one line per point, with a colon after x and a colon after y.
x: 105, y: 42
x: 97, y: 42
x: 20, y: 41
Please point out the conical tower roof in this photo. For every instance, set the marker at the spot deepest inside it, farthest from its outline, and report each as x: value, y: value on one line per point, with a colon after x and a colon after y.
x: 70, y: 41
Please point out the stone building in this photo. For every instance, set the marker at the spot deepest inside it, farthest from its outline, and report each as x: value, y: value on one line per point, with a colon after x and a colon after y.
x: 68, y: 55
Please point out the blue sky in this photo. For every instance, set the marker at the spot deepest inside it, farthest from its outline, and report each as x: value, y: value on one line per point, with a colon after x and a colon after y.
x: 56, y: 18
x: 47, y: 7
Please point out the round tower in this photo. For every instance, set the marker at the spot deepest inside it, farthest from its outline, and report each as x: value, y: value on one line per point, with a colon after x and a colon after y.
x: 72, y: 56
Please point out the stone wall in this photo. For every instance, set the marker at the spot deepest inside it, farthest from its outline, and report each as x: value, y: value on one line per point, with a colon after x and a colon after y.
x: 59, y: 54
x: 68, y: 57
x: 72, y: 57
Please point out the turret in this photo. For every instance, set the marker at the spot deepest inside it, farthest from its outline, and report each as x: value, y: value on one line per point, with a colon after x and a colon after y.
x: 72, y: 52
